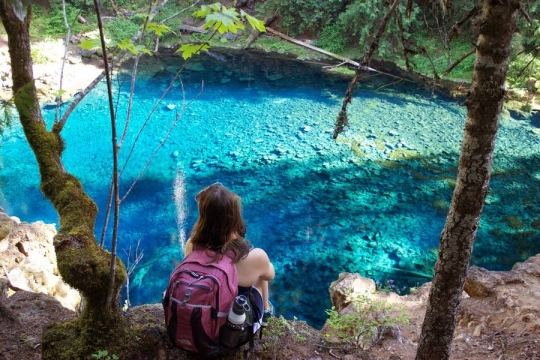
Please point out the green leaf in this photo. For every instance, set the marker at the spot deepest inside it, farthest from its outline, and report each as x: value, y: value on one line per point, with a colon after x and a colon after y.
x: 158, y: 29
x: 188, y: 50
x: 254, y: 22
x: 134, y: 49
x: 89, y: 44
x: 59, y: 94
x: 225, y: 21
x: 143, y: 49
x: 207, y: 9
x: 127, y: 45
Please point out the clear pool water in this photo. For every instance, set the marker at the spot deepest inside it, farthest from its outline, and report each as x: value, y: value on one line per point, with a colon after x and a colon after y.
x: 373, y: 201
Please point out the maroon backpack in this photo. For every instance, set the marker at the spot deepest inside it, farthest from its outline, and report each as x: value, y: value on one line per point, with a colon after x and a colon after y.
x: 198, y: 299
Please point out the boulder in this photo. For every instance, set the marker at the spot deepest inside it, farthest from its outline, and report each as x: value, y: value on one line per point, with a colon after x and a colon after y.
x: 29, y: 260
x: 346, y: 286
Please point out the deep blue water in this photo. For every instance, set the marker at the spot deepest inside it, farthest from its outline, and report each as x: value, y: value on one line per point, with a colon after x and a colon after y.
x: 373, y: 201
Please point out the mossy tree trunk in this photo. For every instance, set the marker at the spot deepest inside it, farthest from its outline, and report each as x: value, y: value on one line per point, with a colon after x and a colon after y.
x: 484, y: 105
x: 82, y: 263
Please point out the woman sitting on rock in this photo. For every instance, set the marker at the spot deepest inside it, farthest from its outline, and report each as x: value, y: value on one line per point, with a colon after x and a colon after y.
x: 220, y: 228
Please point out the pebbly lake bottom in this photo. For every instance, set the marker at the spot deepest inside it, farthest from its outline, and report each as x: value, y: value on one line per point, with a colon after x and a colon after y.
x: 373, y: 201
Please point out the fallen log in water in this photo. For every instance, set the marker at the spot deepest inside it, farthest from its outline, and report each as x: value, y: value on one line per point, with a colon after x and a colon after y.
x: 191, y: 29
x: 314, y: 48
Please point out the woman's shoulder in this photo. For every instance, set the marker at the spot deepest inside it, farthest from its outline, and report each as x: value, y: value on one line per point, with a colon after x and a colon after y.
x: 255, y: 255
x: 257, y: 252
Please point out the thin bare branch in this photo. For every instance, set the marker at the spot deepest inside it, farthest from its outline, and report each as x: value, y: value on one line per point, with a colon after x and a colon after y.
x: 458, y: 61
x: 409, y: 8
x: 107, y: 215
x: 456, y: 29
x: 178, y: 116
x: 342, y: 120
x: 527, y: 65
x: 406, y: 50
x: 141, y: 129
x: 133, y: 80
x: 131, y: 267
x: 524, y: 13
x: 126, y: 125
x: 109, y: 300
x: 64, y: 59
x: 180, y: 12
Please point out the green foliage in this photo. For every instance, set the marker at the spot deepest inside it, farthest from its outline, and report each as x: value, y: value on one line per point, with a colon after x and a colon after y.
x: 119, y: 29
x: 530, y: 33
x: 220, y: 18
x: 277, y: 331
x: 7, y: 116
x: 361, y: 20
x: 50, y: 23
x: 301, y: 16
x: 523, y: 67
x: 188, y: 50
x: 90, y: 44
x: 104, y: 355
x: 368, y: 322
x: 127, y: 44
x: 157, y: 28
x: 39, y: 57
x: 333, y: 38
x: 254, y: 22
x: 279, y: 326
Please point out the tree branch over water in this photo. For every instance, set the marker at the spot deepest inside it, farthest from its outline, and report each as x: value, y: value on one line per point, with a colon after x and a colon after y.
x: 342, y: 120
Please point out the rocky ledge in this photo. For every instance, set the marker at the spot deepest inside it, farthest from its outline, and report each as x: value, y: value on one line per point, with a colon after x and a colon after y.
x: 499, y: 316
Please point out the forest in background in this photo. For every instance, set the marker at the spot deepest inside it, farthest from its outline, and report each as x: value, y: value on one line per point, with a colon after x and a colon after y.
x: 429, y: 41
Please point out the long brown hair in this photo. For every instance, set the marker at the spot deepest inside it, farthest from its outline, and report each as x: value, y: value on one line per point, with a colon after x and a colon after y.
x: 220, y: 226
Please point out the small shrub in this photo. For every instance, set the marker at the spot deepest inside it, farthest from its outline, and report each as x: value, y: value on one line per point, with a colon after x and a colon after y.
x: 104, y: 355
x: 39, y: 57
x: 278, y: 330
x: 333, y: 38
x: 119, y: 29
x: 367, y: 324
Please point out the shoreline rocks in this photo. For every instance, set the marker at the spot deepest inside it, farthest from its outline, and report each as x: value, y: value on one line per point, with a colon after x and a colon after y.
x: 29, y: 261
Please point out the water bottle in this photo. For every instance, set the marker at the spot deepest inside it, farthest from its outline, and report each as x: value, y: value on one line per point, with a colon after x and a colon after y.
x: 237, y: 314
x: 230, y: 333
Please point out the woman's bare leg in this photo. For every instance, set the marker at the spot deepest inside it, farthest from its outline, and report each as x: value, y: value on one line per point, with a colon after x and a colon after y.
x: 262, y: 285
x: 265, y: 295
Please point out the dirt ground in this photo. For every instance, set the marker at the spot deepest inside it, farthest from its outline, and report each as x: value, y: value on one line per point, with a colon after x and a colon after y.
x: 29, y: 313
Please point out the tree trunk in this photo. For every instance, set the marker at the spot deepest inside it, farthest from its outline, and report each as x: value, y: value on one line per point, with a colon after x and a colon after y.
x: 484, y: 105
x: 82, y: 264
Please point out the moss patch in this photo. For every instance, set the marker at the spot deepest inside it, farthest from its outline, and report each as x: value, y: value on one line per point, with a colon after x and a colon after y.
x: 78, y: 340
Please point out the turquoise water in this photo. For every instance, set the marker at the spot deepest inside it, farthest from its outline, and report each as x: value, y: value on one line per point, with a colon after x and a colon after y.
x: 372, y: 202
